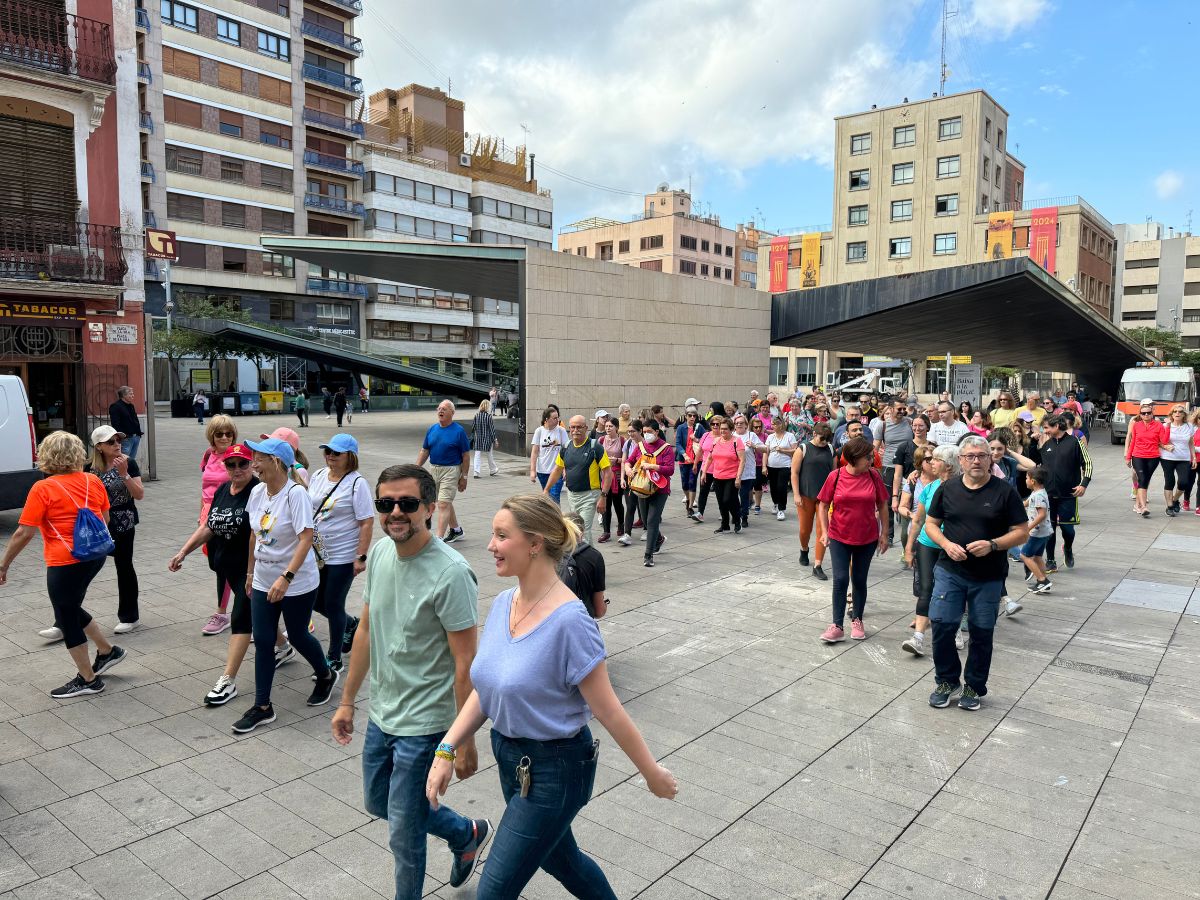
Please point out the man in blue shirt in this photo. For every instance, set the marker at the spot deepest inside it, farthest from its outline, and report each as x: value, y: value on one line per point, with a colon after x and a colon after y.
x: 448, y: 450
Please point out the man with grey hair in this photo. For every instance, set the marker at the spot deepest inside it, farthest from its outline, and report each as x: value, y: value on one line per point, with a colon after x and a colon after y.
x: 448, y: 450
x: 975, y: 520
x: 587, y: 470
x: 123, y: 417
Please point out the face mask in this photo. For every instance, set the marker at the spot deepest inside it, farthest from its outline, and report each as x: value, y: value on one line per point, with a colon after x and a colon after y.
x: 649, y: 435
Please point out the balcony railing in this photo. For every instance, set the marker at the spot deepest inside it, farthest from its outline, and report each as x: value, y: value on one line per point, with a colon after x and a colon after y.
x: 352, y: 5
x: 336, y: 163
x: 337, y: 286
x: 146, y: 122
x: 45, y: 249
x: 142, y: 18
x: 333, y: 79
x: 148, y: 170
x: 331, y: 120
x: 41, y: 37
x: 335, y: 205
x: 144, y: 72
x: 331, y: 36
x: 149, y: 219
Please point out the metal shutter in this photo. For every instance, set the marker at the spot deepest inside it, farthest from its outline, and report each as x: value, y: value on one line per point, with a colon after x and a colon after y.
x: 39, y: 163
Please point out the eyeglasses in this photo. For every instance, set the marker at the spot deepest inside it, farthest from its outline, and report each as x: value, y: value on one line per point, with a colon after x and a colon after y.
x: 974, y: 456
x: 218, y: 434
x: 407, y: 504
x: 329, y: 452
x: 237, y: 463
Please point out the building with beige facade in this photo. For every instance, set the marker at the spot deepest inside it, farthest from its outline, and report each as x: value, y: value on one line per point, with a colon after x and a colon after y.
x: 1159, y: 280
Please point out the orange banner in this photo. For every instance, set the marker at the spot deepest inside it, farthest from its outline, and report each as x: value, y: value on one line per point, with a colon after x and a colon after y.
x: 999, y: 235
x: 779, y: 264
x: 1043, y: 237
x: 810, y: 260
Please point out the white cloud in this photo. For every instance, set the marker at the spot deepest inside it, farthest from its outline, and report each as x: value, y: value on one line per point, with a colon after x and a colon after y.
x: 630, y: 94
x: 1168, y: 184
x: 1056, y: 89
x: 998, y: 19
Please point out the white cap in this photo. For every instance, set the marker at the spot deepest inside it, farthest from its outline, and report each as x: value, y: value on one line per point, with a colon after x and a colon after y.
x: 1147, y: 402
x: 600, y: 412
x: 691, y: 401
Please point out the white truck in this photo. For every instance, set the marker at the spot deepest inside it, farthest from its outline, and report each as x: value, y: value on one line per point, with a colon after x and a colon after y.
x: 18, y: 444
x: 860, y: 380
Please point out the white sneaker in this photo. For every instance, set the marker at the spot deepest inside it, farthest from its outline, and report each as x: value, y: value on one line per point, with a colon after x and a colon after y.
x: 624, y: 540
x: 1012, y: 607
x: 223, y: 691
x: 962, y: 639
x: 915, y: 644
x: 643, y: 537
x: 53, y: 633
x: 781, y: 515
x: 125, y: 627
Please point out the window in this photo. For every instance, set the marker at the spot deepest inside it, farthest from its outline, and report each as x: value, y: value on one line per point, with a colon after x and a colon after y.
x: 687, y: 267
x: 860, y: 143
x: 806, y: 370
x: 229, y: 31
x: 233, y: 215
x: 623, y: 247
x: 860, y: 179
x: 442, y: 196
x: 857, y: 215
x: 1000, y: 139
x: 232, y: 169
x: 180, y: 63
x: 949, y: 128
x: 1128, y: 316
x: 946, y: 205
x: 274, y: 90
x: 275, y: 221
x: 987, y: 129
x: 279, y: 266
x: 717, y: 248
x: 1138, y: 289
x: 653, y: 265
x: 333, y: 313
x: 900, y: 248
x: 983, y: 203
x: 729, y: 249
x: 581, y: 251
x: 704, y: 246
x: 274, y: 45
x: 986, y: 171
x: 749, y: 279
x: 275, y: 178
x: 856, y: 251
x: 1192, y: 262
x: 1020, y: 237
x: 687, y: 243
x: 903, y: 173
x: 945, y: 243
x: 181, y: 206
x: 948, y: 166
x: 233, y: 259
x: 901, y: 210
x: 729, y: 274
x: 704, y: 270
x: 282, y: 309
x: 794, y: 261
x: 191, y: 256
x: 904, y: 136
x: 996, y: 180
x: 230, y: 123
x: 779, y: 370
x: 178, y: 14
x: 1191, y: 288
x: 184, y: 160
x: 654, y: 242
x: 275, y: 134
x: 1142, y: 263
x: 424, y: 193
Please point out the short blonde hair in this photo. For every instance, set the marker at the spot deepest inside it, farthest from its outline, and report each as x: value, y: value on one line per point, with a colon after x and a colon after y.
x: 61, y: 453
x: 538, y: 514
x: 485, y: 406
x: 220, y: 423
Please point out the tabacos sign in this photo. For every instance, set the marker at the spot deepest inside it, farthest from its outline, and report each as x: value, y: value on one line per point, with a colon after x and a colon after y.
x: 41, y: 310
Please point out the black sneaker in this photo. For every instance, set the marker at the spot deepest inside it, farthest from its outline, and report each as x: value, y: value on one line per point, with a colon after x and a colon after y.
x: 348, y: 637
x: 969, y: 699
x: 467, y: 861
x: 323, y: 688
x: 943, y: 694
x: 284, y: 653
x: 454, y: 535
x: 804, y: 558
x: 1069, y: 556
x: 77, y: 686
x: 819, y: 574
x: 335, y: 665
x: 658, y: 546
x: 254, y: 717
x: 649, y: 562
x: 105, y: 661
x: 1051, y: 567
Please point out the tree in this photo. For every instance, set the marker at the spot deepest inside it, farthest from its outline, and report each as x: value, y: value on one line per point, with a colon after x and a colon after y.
x: 1168, y: 342
x: 506, y: 359
x: 176, y: 346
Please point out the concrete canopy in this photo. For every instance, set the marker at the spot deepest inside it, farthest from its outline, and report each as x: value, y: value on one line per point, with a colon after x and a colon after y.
x: 1003, y: 313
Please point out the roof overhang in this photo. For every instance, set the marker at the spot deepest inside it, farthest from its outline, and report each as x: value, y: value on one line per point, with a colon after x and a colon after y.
x: 1003, y: 313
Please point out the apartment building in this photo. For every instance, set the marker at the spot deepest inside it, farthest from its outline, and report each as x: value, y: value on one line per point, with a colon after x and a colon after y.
x: 249, y: 116
x: 1158, y: 271
x: 427, y: 179
x: 70, y: 231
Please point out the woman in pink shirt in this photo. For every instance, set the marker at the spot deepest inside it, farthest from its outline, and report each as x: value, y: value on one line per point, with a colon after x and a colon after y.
x: 705, y: 485
x: 221, y: 433
x: 724, y: 467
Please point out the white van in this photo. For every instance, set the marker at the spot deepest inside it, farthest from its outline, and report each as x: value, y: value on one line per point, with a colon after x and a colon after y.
x: 18, y: 445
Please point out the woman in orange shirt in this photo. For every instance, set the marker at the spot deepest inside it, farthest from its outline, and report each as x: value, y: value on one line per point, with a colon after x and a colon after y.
x: 51, y: 507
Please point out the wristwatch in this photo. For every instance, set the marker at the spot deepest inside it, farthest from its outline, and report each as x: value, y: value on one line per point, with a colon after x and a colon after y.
x: 290, y: 576
x: 362, y: 558
x: 995, y: 547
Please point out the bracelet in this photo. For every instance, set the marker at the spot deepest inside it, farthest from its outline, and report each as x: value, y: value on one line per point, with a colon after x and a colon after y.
x: 449, y: 748
x: 443, y: 754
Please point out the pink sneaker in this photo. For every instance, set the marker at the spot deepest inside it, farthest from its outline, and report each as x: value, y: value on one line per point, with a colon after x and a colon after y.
x: 1187, y: 506
x: 216, y: 623
x: 857, y: 632
x: 833, y: 635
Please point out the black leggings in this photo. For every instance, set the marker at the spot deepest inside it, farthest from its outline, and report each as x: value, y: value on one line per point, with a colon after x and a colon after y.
x: 239, y: 611
x: 615, y: 502
x: 67, y: 587
x: 927, y: 558
x: 851, y: 563
x: 1143, y: 468
x: 332, y: 592
x: 726, y: 490
x: 631, y: 510
x: 1178, y: 472
x: 706, y: 486
x: 127, y: 580
x: 779, y: 477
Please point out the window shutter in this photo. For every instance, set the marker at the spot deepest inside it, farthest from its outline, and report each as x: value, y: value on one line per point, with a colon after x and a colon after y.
x: 39, y: 159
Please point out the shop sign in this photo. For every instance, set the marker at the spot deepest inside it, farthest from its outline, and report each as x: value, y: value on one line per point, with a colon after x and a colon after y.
x: 41, y: 310
x: 96, y: 332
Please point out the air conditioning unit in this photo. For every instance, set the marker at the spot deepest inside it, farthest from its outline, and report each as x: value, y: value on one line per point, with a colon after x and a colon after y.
x: 464, y: 160
x: 484, y: 346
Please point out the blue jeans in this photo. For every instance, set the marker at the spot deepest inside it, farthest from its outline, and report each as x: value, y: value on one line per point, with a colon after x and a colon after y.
x: 395, y: 770
x: 535, y: 832
x: 331, y: 602
x: 296, y: 612
x: 130, y: 445
x: 952, y: 593
x: 556, y: 491
x: 745, y: 489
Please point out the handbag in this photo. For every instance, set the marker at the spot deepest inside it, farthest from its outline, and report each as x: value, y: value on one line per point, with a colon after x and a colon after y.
x: 318, y: 543
x: 641, y: 483
x: 91, y: 537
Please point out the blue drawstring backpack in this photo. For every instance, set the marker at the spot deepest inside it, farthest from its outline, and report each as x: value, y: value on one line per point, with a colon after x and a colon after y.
x: 91, y: 537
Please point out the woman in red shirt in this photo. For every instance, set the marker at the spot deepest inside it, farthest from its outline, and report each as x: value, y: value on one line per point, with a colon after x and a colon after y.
x: 724, y: 467
x: 1143, y: 443
x: 853, y: 515
x: 51, y: 507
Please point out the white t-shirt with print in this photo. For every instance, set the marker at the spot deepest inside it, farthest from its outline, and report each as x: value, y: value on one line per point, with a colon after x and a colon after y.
x: 276, y: 523
x: 775, y: 459
x: 549, y: 442
x: 339, y: 517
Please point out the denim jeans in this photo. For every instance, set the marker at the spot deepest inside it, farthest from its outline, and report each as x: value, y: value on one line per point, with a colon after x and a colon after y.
x: 745, y: 489
x: 394, y: 773
x: 130, y: 445
x: 296, y: 612
x: 331, y: 602
x: 556, y: 491
x: 981, y: 599
x: 535, y: 832
x: 851, y: 566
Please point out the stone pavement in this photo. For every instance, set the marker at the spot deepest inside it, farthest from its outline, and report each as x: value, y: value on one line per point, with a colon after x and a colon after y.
x: 805, y: 770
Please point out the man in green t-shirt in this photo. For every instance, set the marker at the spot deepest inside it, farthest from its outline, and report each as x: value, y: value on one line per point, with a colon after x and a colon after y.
x: 417, y: 637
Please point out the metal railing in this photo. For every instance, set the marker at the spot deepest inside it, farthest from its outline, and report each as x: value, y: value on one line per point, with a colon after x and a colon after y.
x: 337, y: 286
x: 330, y: 36
x: 148, y: 171
x: 142, y: 18
x: 1068, y: 200
x: 333, y: 79
x: 338, y: 163
x: 152, y: 269
x: 335, y: 204
x: 144, y: 72
x: 352, y: 5
x: 40, y: 248
x: 330, y: 120
x: 146, y: 121
x: 38, y: 36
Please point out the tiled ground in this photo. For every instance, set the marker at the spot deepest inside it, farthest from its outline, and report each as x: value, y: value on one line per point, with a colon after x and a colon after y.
x: 805, y: 770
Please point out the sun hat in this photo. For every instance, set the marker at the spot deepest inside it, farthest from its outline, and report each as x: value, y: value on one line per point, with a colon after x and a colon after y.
x: 275, y: 447
x: 106, y: 433
x: 341, y: 443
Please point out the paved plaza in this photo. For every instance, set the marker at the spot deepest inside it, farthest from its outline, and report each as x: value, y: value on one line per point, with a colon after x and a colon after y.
x: 804, y: 770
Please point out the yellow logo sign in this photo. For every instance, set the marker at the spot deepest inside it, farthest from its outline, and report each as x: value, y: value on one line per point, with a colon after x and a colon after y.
x: 161, y: 244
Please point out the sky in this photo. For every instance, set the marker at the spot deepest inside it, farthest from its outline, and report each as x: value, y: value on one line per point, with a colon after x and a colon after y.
x: 737, y: 99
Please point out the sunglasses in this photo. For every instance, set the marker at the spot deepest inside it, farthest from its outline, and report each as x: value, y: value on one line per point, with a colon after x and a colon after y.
x: 407, y: 504
x: 1147, y: 412
x: 329, y: 452
x: 237, y: 463
x: 227, y: 434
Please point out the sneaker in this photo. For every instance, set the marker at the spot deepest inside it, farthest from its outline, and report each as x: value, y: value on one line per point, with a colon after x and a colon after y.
x: 105, y: 661
x: 1170, y: 511
x: 1187, y: 505
x: 915, y: 644
x: 348, y: 637
x: 833, y: 635
x: 1012, y: 607
x: 223, y: 691
x: 781, y: 515
x: 624, y: 540
x: 639, y: 524
x: 1069, y: 557
x: 323, y: 689
x: 476, y: 475
x: 216, y: 623
x: 1043, y: 587
x: 126, y: 627
x: 943, y: 694
x: 604, y: 538
x: 819, y: 574
x: 643, y: 537
x: 283, y: 653
x: 720, y: 531
x: 804, y: 559
x: 969, y: 699
x: 1198, y: 507
x: 454, y: 535
x: 857, y: 632
x: 962, y: 639
x: 699, y: 516
x: 648, y: 562
x: 54, y: 633
x: 745, y: 522
x: 77, y: 686
x: 335, y: 665
x: 737, y: 527
x: 1029, y: 576
x: 254, y: 717
x: 1051, y: 567
x: 658, y: 547
x: 757, y: 510
x: 466, y: 862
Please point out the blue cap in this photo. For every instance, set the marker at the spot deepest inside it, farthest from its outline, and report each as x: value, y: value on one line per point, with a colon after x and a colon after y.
x: 341, y: 443
x: 275, y: 447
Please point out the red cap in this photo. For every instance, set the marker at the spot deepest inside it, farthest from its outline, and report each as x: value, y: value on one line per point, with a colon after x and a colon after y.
x: 238, y: 451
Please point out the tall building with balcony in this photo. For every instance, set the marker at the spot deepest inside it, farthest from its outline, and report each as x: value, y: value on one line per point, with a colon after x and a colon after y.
x: 427, y: 179
x: 70, y: 230
x: 250, y: 112
x: 1158, y: 273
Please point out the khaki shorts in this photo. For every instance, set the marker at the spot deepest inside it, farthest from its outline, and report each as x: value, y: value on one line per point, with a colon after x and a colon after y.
x: 446, y: 478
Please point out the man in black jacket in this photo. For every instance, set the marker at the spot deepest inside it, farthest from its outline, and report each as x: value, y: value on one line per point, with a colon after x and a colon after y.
x: 1070, y: 469
x: 124, y: 418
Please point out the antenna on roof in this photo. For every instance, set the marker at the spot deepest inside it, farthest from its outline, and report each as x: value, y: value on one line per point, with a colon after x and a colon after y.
x: 943, y: 72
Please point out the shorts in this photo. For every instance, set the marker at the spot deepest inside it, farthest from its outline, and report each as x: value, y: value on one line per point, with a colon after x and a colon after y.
x: 1064, y: 510
x: 687, y: 477
x: 1035, y: 546
x: 446, y: 478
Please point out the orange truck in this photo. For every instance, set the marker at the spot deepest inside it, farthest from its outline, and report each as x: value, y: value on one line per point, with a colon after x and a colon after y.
x: 1165, y: 383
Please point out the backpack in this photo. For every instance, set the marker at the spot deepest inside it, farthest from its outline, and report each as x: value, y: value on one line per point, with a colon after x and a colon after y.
x: 91, y: 537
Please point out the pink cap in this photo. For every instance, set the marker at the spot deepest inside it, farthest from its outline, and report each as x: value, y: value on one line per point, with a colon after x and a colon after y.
x: 284, y: 434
